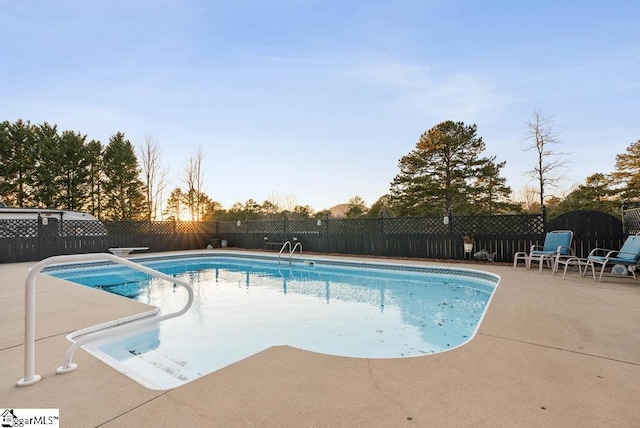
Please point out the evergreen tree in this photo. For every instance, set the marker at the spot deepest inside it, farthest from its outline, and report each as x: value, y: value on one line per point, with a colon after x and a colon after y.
x: 18, y: 164
x: 123, y: 189
x: 73, y: 167
x: 357, y: 208
x: 627, y: 173
x: 491, y: 193
x: 94, y: 151
x: 302, y: 211
x: 381, y: 208
x: 6, y: 186
x: 213, y: 211
x: 236, y: 211
x: 252, y: 210
x: 442, y: 173
x: 174, y: 204
x: 60, y: 177
x: 596, y: 194
x: 270, y: 210
x: 47, y: 158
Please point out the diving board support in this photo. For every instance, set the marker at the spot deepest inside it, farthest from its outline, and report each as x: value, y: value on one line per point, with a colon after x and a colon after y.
x: 102, y: 330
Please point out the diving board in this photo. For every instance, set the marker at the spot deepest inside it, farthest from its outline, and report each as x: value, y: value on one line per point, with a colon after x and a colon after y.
x: 125, y: 251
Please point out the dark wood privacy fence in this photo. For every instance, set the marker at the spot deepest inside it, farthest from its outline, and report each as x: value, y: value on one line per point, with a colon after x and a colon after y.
x: 424, y: 237
x: 26, y: 240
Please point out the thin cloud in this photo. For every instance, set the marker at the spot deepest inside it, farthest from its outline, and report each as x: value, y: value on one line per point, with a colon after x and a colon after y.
x: 426, y: 91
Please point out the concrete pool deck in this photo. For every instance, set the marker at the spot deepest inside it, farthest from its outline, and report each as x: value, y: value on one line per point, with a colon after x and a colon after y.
x: 549, y: 352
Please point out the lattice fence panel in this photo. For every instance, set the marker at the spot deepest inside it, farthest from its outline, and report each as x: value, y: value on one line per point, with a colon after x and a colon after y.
x: 159, y: 227
x: 195, y: 227
x: 414, y: 225
x: 514, y: 224
x: 631, y: 219
x: 353, y: 226
x: 163, y: 227
x: 268, y: 227
x: 249, y: 226
x: 18, y: 228
x: 82, y: 228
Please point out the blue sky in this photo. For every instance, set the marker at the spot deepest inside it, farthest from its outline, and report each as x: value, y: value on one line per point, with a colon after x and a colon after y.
x: 316, y: 100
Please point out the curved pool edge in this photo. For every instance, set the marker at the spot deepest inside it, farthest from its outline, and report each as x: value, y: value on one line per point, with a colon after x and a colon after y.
x: 422, y: 266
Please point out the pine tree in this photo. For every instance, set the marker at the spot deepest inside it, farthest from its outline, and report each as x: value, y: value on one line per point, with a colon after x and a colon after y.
x: 123, y: 189
x: 490, y: 193
x: 47, y: 158
x: 17, y: 161
x: 174, y: 204
x: 627, y: 173
x: 94, y: 178
x: 445, y: 172
x: 74, y: 172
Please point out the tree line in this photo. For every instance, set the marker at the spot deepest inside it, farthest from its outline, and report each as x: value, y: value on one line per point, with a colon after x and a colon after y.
x: 42, y: 167
x: 445, y: 172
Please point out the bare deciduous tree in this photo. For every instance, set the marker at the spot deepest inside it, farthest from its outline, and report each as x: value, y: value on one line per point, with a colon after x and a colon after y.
x: 289, y: 202
x: 275, y: 201
x: 550, y: 166
x: 283, y: 202
x: 154, y: 176
x: 527, y: 197
x: 193, y: 178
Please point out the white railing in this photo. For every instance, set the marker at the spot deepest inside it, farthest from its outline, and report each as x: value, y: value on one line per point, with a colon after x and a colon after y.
x: 90, y: 333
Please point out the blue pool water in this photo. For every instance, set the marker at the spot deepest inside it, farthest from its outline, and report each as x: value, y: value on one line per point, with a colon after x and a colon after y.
x: 244, y: 305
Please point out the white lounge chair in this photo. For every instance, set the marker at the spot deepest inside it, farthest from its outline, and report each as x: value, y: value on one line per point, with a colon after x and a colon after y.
x: 557, y: 245
x: 628, y: 256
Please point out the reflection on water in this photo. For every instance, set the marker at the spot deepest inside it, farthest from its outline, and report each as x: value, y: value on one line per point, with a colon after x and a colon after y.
x: 244, y: 306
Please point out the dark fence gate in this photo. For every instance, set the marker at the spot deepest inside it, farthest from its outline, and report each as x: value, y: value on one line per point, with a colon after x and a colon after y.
x: 591, y: 229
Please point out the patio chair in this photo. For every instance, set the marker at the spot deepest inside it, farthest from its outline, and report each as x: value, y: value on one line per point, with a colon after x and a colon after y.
x: 557, y: 245
x: 628, y: 256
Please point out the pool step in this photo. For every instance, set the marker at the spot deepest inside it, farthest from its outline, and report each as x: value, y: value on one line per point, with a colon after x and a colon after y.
x: 165, y: 371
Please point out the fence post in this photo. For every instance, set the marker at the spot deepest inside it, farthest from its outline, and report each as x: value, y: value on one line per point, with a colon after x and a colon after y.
x: 325, y: 244
x: 41, y: 242
x: 448, y: 251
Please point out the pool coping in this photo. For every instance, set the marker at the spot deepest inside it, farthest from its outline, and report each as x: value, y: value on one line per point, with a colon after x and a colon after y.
x: 548, y: 352
x: 156, y: 377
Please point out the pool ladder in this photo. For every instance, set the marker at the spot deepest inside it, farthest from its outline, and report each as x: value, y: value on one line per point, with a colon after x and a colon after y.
x: 291, y: 249
x: 120, y: 325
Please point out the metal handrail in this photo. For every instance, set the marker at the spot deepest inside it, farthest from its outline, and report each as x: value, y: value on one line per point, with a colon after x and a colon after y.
x: 298, y: 245
x: 99, y: 331
x: 291, y: 250
x: 286, y: 243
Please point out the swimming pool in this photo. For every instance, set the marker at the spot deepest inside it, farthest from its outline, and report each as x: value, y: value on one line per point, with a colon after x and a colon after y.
x: 246, y: 303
